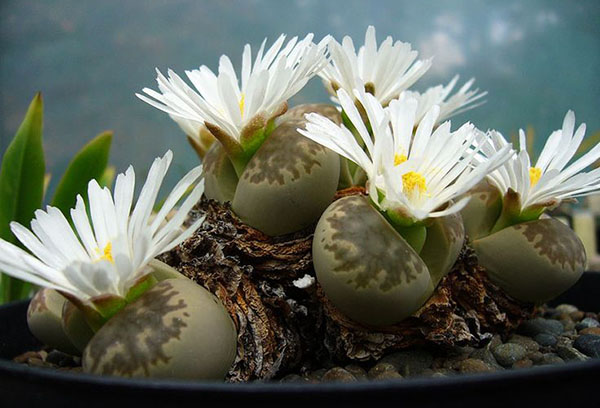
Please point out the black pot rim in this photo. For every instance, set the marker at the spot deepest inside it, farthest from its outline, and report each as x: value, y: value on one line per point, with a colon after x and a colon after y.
x: 551, y: 385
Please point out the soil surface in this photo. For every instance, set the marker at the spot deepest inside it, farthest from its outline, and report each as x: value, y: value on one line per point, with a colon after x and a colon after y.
x: 554, y: 336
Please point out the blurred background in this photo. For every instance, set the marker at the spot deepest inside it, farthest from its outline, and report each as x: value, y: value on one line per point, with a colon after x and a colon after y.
x: 537, y: 59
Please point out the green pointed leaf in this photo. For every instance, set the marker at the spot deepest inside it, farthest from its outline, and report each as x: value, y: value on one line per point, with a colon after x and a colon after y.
x: 108, y: 177
x: 22, y: 184
x: 89, y: 163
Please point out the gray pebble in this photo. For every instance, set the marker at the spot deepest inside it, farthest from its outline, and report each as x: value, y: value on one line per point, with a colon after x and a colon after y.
x: 509, y: 353
x: 293, y: 378
x: 568, y: 325
x: 524, y: 363
x: 587, y: 322
x: 527, y: 342
x: 357, y: 371
x: 485, y: 354
x: 588, y: 344
x: 569, y: 353
x: 546, y: 340
x: 383, y: 370
x: 316, y: 375
x: 472, y: 365
x: 536, y: 357
x: 409, y: 362
x: 566, y: 308
x: 539, y: 325
x: 551, y: 358
x: 337, y: 374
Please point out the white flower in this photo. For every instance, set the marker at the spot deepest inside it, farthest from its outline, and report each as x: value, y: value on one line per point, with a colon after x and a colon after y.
x: 551, y: 179
x: 461, y: 101
x: 418, y: 175
x: 106, y: 254
x: 384, y: 72
x: 223, y: 102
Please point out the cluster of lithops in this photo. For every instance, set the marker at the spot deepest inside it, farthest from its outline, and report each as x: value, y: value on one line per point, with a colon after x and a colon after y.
x: 378, y: 256
x: 105, y: 296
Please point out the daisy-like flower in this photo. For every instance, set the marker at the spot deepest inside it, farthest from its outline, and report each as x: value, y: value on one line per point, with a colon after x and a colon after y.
x: 237, y: 111
x: 384, y: 72
x: 411, y: 177
x: 101, y: 262
x: 463, y: 100
x: 529, y: 189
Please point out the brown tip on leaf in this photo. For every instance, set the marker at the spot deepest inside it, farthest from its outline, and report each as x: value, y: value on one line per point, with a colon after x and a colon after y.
x: 231, y: 146
x: 200, y: 151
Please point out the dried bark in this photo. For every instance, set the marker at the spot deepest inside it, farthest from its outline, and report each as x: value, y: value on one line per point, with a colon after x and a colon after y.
x: 283, y: 327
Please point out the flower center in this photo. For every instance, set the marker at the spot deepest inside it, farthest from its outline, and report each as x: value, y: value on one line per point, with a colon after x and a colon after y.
x: 399, y: 159
x: 534, y: 175
x: 106, y: 253
x: 242, y: 101
x: 412, y: 180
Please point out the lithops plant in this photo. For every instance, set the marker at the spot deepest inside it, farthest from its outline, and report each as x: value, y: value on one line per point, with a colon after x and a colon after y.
x: 44, y: 319
x: 378, y: 258
x: 177, y: 329
x: 276, y: 180
x: 288, y: 182
x: 104, y: 263
x: 532, y: 257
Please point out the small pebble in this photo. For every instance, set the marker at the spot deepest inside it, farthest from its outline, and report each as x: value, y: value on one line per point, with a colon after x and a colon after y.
x: 293, y: 378
x: 551, y: 358
x: 524, y: 363
x: 546, y: 340
x: 485, y: 354
x: 568, y: 324
x: 536, y: 357
x: 587, y: 323
x: 539, y: 325
x: 588, y: 344
x: 566, y: 308
x: 409, y: 362
x: 60, y: 359
x: 472, y: 365
x: 338, y: 374
x: 357, y: 371
x: 577, y: 316
x: 316, y: 375
x: 382, y: 370
x: 569, y: 353
x: 527, y: 342
x: 591, y: 330
x: 509, y: 353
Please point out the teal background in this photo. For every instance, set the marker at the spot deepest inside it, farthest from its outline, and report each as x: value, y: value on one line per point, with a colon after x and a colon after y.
x: 535, y: 58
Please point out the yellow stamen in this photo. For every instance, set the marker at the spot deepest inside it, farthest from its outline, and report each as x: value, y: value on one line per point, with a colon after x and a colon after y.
x: 242, y: 100
x: 107, y: 253
x: 399, y: 159
x: 412, y: 180
x: 534, y: 175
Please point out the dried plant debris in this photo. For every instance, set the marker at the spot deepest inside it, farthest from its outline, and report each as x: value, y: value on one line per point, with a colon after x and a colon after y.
x: 286, y: 324
x: 254, y: 276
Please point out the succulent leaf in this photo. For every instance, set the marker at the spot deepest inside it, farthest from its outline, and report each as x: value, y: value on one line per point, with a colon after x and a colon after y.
x: 365, y: 267
x: 220, y: 178
x: 177, y: 329
x: 482, y: 211
x: 445, y: 239
x: 76, y: 326
x: 534, y: 261
x: 288, y: 183
x: 44, y: 318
